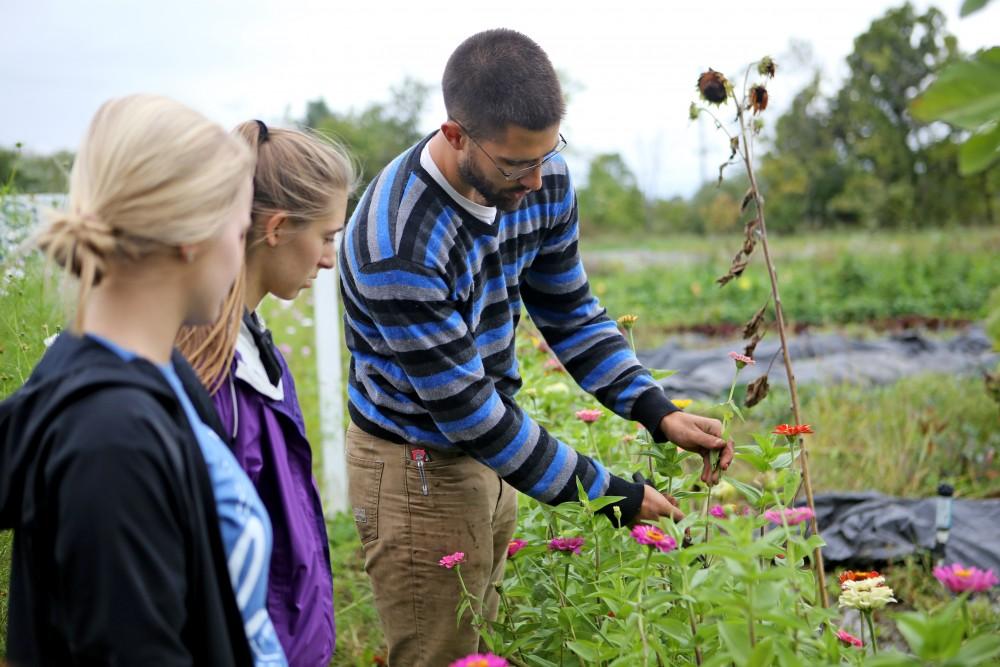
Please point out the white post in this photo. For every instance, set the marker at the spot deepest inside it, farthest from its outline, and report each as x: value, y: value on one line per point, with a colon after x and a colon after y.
x: 326, y: 307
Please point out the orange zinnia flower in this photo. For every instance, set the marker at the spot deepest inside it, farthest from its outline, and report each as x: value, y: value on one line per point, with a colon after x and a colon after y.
x: 792, y: 429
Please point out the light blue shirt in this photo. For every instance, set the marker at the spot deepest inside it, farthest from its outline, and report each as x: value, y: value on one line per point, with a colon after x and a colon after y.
x: 246, y: 528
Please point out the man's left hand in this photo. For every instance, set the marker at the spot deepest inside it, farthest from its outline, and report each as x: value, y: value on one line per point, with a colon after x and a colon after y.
x: 701, y: 435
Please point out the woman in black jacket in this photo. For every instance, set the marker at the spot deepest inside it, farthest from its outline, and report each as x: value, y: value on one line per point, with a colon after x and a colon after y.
x: 118, y: 556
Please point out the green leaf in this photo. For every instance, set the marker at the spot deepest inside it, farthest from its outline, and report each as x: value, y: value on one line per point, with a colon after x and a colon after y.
x: 660, y: 373
x: 970, y: 6
x: 757, y: 461
x: 965, y: 94
x: 762, y: 655
x: 604, y: 501
x: 751, y: 493
x: 676, y: 630
x: 737, y: 641
x: 586, y: 650
x: 977, y: 651
x: 979, y: 151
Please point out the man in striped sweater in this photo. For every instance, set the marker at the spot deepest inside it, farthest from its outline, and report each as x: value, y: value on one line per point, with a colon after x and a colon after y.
x: 447, y: 245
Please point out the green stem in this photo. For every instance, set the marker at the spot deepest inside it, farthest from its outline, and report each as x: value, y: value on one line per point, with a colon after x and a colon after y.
x: 642, y: 623
x: 477, y: 618
x: 871, y: 630
x: 509, y: 621
x: 965, y: 617
x: 694, y: 633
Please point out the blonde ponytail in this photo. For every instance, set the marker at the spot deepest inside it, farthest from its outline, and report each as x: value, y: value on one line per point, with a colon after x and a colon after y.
x: 151, y: 174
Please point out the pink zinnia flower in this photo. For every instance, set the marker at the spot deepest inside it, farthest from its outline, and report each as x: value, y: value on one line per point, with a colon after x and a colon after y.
x: 566, y: 544
x: 718, y: 512
x: 588, y: 416
x: 959, y: 579
x: 480, y: 660
x: 741, y: 359
x: 848, y: 638
x: 451, y: 560
x: 793, y: 515
x: 653, y: 537
x: 514, y: 547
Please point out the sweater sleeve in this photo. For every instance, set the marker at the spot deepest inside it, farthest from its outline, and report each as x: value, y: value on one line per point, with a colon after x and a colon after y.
x: 435, y: 356
x: 557, y: 296
x: 119, y: 547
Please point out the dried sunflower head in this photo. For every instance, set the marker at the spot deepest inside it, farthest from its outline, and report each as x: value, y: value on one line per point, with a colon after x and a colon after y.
x: 758, y: 98
x: 713, y: 86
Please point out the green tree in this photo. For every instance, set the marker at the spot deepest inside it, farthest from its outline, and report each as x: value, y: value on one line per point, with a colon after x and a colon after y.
x: 31, y: 173
x: 611, y: 201
x: 860, y: 158
x: 379, y: 132
x: 802, y: 172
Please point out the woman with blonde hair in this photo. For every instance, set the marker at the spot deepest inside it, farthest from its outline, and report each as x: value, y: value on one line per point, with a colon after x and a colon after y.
x: 301, y: 186
x: 136, y: 540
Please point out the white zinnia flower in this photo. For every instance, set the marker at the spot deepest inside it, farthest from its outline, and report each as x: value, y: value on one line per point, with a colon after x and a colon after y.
x: 866, y: 594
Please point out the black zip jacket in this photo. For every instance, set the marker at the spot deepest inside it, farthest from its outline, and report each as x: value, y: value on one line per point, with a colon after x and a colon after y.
x: 117, y: 556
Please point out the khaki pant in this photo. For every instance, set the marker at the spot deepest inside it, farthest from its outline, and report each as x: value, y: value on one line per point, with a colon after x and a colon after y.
x: 405, y: 533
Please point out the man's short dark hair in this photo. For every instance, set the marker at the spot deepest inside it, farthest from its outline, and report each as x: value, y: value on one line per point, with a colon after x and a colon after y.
x: 498, y: 78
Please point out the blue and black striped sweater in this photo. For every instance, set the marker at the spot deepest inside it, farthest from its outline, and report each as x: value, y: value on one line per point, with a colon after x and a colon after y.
x: 432, y: 297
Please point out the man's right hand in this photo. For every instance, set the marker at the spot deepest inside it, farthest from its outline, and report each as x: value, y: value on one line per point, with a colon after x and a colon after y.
x: 656, y: 505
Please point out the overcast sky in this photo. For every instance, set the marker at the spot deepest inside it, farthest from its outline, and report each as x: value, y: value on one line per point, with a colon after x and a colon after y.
x: 635, y: 62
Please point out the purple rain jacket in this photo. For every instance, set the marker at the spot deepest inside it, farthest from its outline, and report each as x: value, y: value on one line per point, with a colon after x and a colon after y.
x: 268, y: 437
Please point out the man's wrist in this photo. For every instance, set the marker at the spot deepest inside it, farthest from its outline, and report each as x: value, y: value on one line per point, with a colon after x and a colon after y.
x: 650, y: 409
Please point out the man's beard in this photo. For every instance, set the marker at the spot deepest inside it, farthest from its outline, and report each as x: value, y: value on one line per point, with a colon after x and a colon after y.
x: 504, y: 199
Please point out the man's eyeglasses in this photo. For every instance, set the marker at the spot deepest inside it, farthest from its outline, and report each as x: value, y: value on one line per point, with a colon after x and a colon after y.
x: 520, y: 173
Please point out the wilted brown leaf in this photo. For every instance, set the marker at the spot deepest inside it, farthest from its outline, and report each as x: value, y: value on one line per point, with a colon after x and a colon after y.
x: 751, y: 327
x: 756, y: 391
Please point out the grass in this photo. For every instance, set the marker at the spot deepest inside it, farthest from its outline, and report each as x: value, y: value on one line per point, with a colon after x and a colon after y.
x: 853, y: 279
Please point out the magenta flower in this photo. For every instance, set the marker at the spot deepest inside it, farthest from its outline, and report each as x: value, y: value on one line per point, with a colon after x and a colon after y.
x: 514, y: 547
x: 480, y: 660
x: 793, y: 515
x: 848, y: 638
x: 718, y: 512
x: 566, y: 544
x: 653, y: 537
x: 959, y: 579
x: 552, y: 365
x: 588, y: 416
x: 741, y: 359
x: 285, y: 348
x: 451, y: 560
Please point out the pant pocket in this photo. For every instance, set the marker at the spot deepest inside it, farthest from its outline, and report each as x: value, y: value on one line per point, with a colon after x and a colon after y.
x: 363, y: 485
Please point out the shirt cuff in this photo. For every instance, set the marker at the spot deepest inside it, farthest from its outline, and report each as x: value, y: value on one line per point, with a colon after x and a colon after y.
x: 629, y: 505
x: 650, y: 409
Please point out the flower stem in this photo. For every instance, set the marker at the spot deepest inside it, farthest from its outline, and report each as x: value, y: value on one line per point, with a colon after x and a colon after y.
x: 783, y: 334
x: 871, y: 630
x: 642, y: 624
x: 694, y: 633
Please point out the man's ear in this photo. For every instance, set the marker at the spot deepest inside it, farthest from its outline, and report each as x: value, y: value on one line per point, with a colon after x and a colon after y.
x: 453, y: 134
x: 274, y: 228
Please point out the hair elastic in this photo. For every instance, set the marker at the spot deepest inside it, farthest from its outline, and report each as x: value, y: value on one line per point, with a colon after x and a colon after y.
x: 263, y: 133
